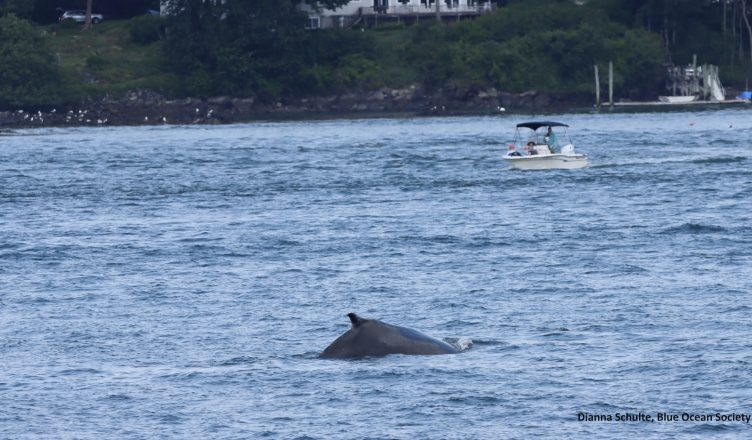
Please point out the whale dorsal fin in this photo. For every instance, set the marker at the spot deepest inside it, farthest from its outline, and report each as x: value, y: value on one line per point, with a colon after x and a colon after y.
x: 355, y: 319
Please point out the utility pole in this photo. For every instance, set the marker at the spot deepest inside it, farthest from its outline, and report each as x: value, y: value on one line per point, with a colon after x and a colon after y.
x: 438, y: 11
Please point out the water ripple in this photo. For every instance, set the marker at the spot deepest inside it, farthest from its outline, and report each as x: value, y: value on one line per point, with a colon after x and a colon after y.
x: 180, y: 281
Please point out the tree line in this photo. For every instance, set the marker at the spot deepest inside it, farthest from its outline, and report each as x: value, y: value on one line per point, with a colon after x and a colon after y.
x: 261, y: 48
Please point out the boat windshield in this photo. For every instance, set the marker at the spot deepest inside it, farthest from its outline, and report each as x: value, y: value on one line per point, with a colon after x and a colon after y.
x: 541, y: 135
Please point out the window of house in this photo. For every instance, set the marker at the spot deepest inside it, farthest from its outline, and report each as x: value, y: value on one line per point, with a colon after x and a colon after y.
x: 314, y: 23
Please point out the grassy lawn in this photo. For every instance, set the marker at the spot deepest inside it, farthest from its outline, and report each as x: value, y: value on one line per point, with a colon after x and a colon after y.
x: 103, y: 60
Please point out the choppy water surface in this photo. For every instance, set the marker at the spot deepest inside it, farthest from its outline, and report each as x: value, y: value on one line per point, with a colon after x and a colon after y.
x: 179, y: 282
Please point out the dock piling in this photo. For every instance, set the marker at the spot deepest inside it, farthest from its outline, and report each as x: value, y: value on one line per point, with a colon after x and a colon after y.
x: 611, y: 83
x: 597, y: 87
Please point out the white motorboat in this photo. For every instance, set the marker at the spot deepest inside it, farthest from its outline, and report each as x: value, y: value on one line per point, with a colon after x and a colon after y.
x: 677, y: 99
x: 541, y: 151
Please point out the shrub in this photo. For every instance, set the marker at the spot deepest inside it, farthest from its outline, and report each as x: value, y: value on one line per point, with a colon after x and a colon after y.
x: 96, y: 63
x: 29, y: 73
x: 358, y: 71
x: 145, y: 29
x: 68, y: 23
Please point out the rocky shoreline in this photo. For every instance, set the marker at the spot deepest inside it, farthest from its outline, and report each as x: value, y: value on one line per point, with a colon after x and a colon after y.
x: 144, y: 107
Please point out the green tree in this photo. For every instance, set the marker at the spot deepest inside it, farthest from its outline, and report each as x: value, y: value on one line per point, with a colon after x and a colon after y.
x: 21, y: 8
x: 538, y: 45
x: 28, y: 70
x: 238, y: 46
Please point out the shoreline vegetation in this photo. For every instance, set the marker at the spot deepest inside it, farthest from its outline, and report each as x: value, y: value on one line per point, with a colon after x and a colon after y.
x: 212, y: 62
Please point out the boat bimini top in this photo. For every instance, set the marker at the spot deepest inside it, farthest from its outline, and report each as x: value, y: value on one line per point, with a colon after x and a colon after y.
x: 536, y: 125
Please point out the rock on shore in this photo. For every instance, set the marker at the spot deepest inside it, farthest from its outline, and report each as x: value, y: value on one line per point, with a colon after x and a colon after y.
x: 143, y: 107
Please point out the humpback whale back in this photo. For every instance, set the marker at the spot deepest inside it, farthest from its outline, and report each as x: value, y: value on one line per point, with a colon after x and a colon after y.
x: 370, y: 337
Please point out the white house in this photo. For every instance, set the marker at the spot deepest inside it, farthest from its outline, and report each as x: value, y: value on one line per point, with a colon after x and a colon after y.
x: 366, y: 11
x: 164, y: 5
x: 369, y: 11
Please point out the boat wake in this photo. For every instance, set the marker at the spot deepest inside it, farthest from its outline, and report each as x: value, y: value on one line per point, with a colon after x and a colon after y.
x: 673, y: 160
x: 720, y: 160
x: 694, y: 228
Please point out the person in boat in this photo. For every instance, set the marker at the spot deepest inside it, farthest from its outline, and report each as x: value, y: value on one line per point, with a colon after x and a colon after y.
x: 550, y: 139
x: 531, y: 148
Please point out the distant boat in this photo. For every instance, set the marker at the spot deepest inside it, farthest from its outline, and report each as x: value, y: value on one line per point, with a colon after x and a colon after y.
x: 745, y: 95
x: 677, y: 99
x: 539, y: 152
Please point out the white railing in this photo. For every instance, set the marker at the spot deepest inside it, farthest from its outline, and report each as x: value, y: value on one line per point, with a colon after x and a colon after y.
x: 423, y: 9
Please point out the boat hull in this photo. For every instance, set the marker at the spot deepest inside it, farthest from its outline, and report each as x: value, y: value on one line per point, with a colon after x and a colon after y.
x: 677, y: 99
x: 548, y: 162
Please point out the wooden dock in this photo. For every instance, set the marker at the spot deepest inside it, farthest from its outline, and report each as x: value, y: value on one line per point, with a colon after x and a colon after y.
x: 677, y: 104
x: 684, y: 82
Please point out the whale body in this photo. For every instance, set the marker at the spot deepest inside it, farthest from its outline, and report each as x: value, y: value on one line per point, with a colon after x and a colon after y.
x: 370, y: 337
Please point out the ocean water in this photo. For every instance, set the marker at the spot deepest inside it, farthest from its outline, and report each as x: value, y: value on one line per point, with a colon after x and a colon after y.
x: 179, y: 282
